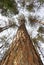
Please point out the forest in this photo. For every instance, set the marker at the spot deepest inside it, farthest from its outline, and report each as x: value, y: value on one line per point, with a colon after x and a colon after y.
x: 21, y: 32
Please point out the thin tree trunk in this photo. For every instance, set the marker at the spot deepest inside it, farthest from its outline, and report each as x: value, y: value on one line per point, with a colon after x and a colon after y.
x: 22, y: 51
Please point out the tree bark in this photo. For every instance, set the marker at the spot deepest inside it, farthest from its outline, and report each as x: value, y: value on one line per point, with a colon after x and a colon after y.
x: 22, y: 51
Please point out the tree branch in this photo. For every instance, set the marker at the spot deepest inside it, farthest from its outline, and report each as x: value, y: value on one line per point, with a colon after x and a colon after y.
x: 6, y: 27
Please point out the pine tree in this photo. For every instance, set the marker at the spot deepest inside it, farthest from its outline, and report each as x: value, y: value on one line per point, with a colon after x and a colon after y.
x: 22, y: 51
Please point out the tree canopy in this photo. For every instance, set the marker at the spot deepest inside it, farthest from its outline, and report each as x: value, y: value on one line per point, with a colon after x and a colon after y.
x: 8, y: 5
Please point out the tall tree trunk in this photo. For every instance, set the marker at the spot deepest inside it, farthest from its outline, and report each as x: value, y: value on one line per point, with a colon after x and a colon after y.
x: 22, y: 51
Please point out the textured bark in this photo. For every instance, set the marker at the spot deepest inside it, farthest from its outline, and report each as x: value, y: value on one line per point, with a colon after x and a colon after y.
x: 22, y: 51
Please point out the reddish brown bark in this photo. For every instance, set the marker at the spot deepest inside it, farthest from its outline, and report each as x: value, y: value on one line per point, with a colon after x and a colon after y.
x: 22, y: 51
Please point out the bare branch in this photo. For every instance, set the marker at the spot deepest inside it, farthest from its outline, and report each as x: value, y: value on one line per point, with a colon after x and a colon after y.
x: 6, y: 27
